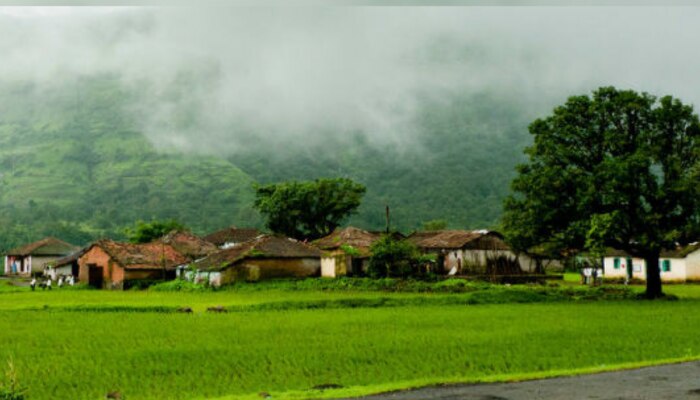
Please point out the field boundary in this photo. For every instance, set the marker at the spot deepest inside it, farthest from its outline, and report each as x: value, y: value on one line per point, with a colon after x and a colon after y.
x: 403, y: 386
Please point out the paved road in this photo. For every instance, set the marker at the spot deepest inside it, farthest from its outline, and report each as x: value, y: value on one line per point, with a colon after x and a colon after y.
x: 673, y: 381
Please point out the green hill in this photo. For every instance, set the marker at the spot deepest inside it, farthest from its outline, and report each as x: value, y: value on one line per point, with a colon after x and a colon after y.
x: 74, y: 164
x: 74, y: 167
x: 457, y: 164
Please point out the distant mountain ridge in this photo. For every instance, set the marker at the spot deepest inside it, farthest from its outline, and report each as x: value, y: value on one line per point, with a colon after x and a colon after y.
x: 75, y: 166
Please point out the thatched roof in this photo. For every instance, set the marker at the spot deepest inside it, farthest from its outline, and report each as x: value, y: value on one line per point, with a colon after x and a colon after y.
x: 46, y: 247
x: 456, y: 239
x: 358, y: 238
x: 265, y: 246
x: 232, y: 235
x: 189, y: 245
x: 154, y: 255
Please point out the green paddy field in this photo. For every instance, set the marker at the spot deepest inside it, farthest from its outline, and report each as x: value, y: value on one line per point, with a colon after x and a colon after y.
x: 323, y: 341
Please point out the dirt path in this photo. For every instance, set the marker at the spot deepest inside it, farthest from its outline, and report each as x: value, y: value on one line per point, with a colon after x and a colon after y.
x: 673, y: 381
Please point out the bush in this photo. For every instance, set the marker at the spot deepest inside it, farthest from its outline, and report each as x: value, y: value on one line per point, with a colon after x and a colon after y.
x: 393, y: 258
x: 178, y: 285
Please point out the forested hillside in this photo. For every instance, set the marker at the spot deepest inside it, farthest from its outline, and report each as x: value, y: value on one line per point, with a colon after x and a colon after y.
x: 72, y: 165
x: 457, y: 166
x: 75, y: 164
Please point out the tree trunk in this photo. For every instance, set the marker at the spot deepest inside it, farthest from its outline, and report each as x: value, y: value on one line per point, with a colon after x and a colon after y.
x: 653, y: 277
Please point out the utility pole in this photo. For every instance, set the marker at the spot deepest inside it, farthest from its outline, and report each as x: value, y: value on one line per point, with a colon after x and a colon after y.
x: 387, y: 219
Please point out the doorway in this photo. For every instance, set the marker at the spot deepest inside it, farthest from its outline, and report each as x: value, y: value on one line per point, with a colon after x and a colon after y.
x: 630, y: 270
x: 95, y: 277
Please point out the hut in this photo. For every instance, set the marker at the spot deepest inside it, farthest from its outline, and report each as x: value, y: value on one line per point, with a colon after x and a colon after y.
x: 64, y: 266
x: 32, y: 257
x: 471, y: 252
x: 346, y: 251
x: 232, y: 236
x: 266, y: 257
x: 113, y: 265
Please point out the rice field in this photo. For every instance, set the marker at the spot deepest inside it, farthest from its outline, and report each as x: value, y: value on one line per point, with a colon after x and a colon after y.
x: 60, y: 352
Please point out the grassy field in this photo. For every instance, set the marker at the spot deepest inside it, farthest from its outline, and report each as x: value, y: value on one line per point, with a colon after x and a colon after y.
x: 61, y: 351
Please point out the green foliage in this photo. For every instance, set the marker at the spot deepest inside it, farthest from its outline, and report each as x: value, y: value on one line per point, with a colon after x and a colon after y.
x: 435, y: 225
x: 145, y: 232
x: 616, y: 169
x: 308, y: 210
x: 179, y: 285
x: 349, y: 250
x: 393, y: 258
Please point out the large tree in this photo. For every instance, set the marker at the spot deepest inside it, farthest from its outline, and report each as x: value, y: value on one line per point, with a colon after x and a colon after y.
x: 619, y: 169
x: 308, y: 210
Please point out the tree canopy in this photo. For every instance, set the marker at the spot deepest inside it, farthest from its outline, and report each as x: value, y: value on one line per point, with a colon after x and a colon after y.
x: 392, y: 257
x: 144, y: 232
x: 308, y: 210
x: 616, y: 169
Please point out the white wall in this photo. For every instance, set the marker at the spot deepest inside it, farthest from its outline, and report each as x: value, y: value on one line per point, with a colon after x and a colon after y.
x: 328, y: 267
x: 677, y: 272
x: 692, y: 266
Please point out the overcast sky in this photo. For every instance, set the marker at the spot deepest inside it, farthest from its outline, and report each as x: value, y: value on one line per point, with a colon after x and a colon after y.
x: 292, y: 71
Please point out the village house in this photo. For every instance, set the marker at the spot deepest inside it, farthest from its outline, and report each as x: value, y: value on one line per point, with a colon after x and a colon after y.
x: 113, y: 265
x: 189, y: 245
x: 471, y: 252
x: 265, y: 257
x: 232, y: 236
x: 64, y: 266
x: 31, y: 258
x: 346, y: 251
x: 679, y: 265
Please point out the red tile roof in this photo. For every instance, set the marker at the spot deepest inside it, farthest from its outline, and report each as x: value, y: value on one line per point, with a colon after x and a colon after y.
x: 266, y: 246
x: 189, y: 245
x: 154, y: 255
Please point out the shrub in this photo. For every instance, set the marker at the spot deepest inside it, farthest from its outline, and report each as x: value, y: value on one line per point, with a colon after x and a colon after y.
x: 179, y: 285
x: 393, y: 258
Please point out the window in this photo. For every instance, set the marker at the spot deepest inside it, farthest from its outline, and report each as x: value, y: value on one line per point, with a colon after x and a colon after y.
x: 617, y: 263
x: 666, y: 266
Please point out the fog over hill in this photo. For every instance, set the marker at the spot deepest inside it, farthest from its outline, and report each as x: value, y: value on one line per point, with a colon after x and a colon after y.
x: 427, y: 106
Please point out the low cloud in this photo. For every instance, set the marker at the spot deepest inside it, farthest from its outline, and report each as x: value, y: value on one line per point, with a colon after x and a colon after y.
x: 213, y: 79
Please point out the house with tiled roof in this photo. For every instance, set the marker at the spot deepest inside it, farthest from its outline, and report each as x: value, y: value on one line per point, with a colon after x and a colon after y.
x: 471, y: 252
x: 265, y: 257
x: 232, y: 236
x: 346, y: 251
x: 30, y: 258
x: 114, y: 265
x: 681, y: 264
x: 189, y: 245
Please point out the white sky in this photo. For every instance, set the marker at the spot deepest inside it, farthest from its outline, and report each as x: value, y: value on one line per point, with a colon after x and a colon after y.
x: 294, y: 70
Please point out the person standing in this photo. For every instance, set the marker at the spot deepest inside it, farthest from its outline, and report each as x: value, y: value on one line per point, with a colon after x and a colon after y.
x: 48, y: 283
x: 32, y: 284
x: 60, y: 281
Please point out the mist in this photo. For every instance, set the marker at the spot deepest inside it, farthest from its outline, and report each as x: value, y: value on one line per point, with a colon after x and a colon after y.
x: 212, y: 80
